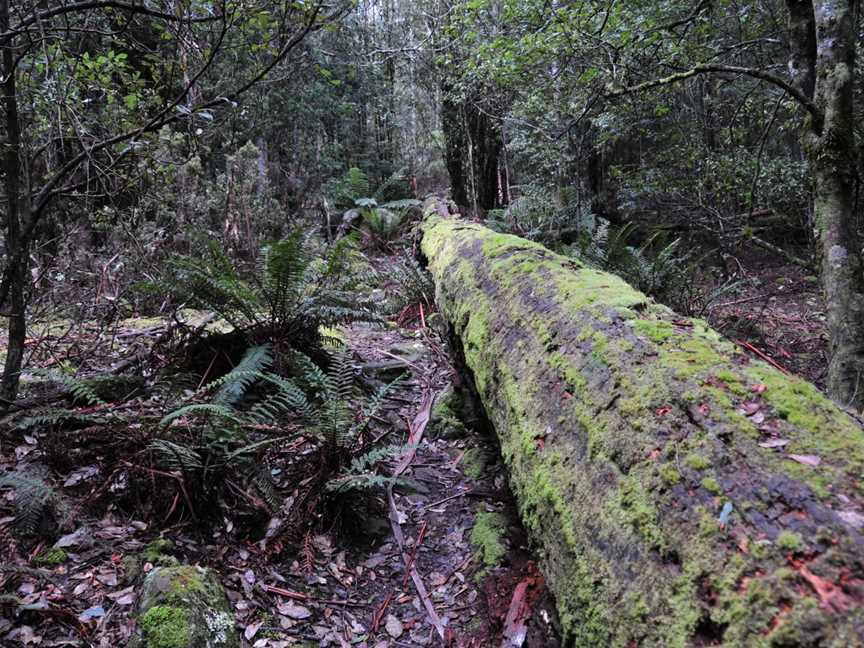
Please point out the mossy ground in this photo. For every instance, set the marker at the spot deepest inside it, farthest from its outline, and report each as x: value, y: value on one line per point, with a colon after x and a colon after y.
x: 55, y: 556
x: 487, y: 537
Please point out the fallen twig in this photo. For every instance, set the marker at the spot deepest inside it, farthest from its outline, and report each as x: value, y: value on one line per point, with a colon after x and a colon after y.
x: 411, y: 560
x: 300, y: 596
x: 762, y: 355
x: 379, y: 613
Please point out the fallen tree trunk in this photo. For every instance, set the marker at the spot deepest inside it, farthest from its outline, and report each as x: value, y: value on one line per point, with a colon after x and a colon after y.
x: 677, y: 491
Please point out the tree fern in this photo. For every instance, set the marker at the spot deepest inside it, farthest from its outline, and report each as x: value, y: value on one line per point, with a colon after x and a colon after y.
x: 295, y: 291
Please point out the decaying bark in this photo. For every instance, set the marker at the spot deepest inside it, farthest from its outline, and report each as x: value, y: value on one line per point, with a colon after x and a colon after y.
x: 678, y: 492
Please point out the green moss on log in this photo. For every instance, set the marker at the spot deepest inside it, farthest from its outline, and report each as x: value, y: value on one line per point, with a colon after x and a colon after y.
x: 638, y: 472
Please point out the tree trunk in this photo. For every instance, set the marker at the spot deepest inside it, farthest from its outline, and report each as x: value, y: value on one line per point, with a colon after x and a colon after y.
x: 473, y: 146
x: 17, y: 208
x: 832, y: 152
x: 678, y: 492
x: 455, y: 146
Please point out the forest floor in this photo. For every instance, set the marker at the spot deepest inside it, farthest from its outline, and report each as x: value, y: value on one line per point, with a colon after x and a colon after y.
x: 470, y: 581
x: 778, y: 311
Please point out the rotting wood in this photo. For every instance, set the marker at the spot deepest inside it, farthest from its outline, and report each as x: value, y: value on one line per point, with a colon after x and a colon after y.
x: 632, y: 439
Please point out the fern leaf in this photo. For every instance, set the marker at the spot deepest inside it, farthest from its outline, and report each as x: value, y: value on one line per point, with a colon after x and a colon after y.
x: 209, y: 409
x: 34, y: 499
x: 237, y: 381
x: 80, y: 390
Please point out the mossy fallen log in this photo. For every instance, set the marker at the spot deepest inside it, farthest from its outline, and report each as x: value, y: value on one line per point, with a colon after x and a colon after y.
x: 678, y: 492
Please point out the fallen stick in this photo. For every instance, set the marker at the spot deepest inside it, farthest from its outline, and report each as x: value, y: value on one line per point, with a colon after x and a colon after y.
x: 379, y: 613
x: 412, y: 570
x: 762, y: 355
x: 300, y: 596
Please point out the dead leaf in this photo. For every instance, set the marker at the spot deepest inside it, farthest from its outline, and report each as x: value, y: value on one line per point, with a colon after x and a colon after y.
x: 807, y: 460
x: 831, y: 596
x: 749, y: 408
x: 852, y: 518
x: 774, y: 443
x: 293, y: 611
x: 394, y: 626
x: 252, y: 629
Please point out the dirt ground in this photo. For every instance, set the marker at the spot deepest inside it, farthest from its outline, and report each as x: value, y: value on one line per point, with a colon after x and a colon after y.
x: 779, y: 310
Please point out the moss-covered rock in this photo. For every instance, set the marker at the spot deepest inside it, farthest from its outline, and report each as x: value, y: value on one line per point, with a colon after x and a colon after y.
x: 112, y: 388
x: 635, y: 457
x: 185, y: 607
x: 156, y: 553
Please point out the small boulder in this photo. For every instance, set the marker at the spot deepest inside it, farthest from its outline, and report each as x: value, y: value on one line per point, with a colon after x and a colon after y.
x: 185, y: 607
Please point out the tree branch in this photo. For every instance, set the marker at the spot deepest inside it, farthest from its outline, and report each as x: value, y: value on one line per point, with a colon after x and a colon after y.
x: 97, y: 4
x: 707, y: 68
x: 51, y: 188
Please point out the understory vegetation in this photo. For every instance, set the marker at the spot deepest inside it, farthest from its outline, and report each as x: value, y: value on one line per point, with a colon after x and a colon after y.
x: 208, y: 209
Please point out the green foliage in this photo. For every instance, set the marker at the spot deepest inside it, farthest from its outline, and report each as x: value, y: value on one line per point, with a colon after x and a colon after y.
x: 221, y: 450
x: 79, y: 389
x: 412, y: 284
x: 382, y: 217
x: 295, y: 292
x: 36, y: 503
x: 362, y: 473
x: 53, y: 418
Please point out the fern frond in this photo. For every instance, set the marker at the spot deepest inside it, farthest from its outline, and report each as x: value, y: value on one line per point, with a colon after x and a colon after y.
x: 34, y: 499
x: 176, y: 456
x: 78, y: 388
x: 237, y: 381
x: 252, y: 448
x: 374, y: 404
x: 357, y: 183
x: 52, y: 418
x: 208, y: 409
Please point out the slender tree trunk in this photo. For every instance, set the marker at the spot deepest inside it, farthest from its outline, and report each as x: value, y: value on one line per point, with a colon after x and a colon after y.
x: 17, y: 207
x: 455, y: 146
x: 831, y: 147
x: 486, y: 140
